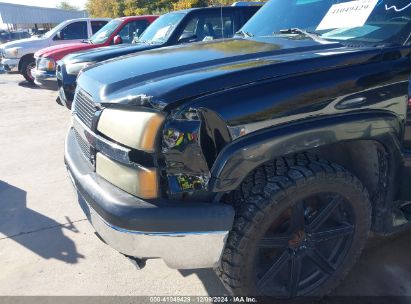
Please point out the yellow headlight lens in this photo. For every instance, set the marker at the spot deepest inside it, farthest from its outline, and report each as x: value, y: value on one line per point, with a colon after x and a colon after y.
x: 141, y: 182
x: 134, y: 129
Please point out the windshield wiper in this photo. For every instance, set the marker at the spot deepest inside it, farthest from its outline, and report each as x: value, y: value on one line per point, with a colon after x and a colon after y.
x: 299, y: 31
x: 153, y: 42
x: 244, y: 34
x: 143, y: 42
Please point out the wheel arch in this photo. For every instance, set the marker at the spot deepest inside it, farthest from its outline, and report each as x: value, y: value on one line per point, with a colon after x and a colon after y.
x: 367, y: 144
x: 31, y: 55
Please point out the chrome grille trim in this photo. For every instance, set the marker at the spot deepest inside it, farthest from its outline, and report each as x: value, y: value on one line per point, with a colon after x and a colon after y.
x: 59, y: 70
x: 84, y: 108
x: 100, y: 144
x: 84, y: 146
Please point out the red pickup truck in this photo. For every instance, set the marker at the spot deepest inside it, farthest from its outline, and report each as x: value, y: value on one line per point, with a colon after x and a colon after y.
x: 117, y: 31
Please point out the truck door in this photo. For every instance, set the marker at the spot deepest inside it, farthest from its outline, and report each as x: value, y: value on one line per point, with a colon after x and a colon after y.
x: 73, y: 32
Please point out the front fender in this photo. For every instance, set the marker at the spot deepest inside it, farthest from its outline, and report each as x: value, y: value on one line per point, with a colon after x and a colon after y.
x: 242, y: 156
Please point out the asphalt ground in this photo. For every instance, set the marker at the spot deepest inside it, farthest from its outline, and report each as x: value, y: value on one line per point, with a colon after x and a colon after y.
x: 48, y: 248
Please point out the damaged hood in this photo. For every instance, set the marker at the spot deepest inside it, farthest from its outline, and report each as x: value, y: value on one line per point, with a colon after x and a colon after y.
x: 169, y: 75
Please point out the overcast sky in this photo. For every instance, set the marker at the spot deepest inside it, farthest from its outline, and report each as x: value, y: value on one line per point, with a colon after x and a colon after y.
x: 46, y: 3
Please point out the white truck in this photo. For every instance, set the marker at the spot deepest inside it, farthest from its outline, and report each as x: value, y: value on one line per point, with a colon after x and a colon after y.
x: 19, y: 55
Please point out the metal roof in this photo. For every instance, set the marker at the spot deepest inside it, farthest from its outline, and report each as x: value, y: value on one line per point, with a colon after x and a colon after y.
x: 24, y: 14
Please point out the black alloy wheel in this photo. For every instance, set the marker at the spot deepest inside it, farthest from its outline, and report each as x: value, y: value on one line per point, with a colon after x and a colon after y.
x: 301, y: 224
x: 304, y: 246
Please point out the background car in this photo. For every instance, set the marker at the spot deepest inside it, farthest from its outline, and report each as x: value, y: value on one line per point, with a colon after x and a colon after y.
x: 19, y: 55
x: 117, y: 31
x: 12, y: 36
x: 180, y: 27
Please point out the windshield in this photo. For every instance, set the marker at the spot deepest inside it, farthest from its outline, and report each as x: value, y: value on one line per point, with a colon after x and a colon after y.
x: 363, y: 21
x: 105, y: 32
x: 161, y: 29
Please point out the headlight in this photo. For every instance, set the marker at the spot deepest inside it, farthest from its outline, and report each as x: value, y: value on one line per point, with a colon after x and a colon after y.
x: 134, y: 129
x: 46, y: 64
x: 75, y: 68
x: 11, y: 53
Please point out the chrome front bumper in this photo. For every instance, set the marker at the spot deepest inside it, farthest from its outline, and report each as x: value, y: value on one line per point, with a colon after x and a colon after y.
x: 178, y: 250
x: 9, y: 65
x: 47, y: 80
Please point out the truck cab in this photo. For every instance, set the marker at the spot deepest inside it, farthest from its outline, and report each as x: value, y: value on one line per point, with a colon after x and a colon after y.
x: 117, y: 31
x: 19, y: 55
x: 269, y: 157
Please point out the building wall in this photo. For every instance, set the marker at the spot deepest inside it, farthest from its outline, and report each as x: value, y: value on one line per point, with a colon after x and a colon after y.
x: 26, y: 16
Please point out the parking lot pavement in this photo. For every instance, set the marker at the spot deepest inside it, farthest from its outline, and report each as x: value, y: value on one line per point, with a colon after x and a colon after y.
x: 48, y: 248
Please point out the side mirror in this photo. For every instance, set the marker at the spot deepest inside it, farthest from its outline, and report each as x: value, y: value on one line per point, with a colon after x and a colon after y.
x: 117, y: 40
x: 60, y: 35
x: 187, y: 38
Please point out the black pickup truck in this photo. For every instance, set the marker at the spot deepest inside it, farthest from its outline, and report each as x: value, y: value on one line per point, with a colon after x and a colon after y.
x: 179, y: 27
x: 269, y: 156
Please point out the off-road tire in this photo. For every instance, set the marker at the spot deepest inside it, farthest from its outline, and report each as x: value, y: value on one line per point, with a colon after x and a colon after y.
x: 27, y: 62
x: 269, y: 190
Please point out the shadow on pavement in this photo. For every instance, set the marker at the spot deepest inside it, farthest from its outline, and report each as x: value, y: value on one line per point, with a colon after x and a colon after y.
x: 383, y: 270
x: 209, y: 279
x: 17, y: 221
x: 28, y: 85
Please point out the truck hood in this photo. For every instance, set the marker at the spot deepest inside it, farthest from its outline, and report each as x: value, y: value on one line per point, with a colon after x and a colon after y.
x: 109, y: 52
x: 27, y: 42
x: 169, y: 75
x: 57, y: 52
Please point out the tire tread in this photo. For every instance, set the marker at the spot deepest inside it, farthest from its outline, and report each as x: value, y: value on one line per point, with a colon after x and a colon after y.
x: 261, y: 190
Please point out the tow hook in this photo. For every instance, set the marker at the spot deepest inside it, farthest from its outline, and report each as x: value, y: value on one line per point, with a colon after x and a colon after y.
x: 138, y: 263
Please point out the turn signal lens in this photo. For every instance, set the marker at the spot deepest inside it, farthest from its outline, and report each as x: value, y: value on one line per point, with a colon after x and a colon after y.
x: 51, y: 66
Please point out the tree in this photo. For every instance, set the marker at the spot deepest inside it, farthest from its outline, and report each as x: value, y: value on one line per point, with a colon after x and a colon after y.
x: 221, y: 2
x: 67, y: 6
x: 117, y: 8
x: 183, y: 4
x: 136, y: 7
x: 105, y: 8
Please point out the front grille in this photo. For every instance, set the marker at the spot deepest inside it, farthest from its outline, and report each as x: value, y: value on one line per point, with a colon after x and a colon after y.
x: 84, y: 146
x: 58, y: 74
x: 84, y: 107
x: 58, y: 71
